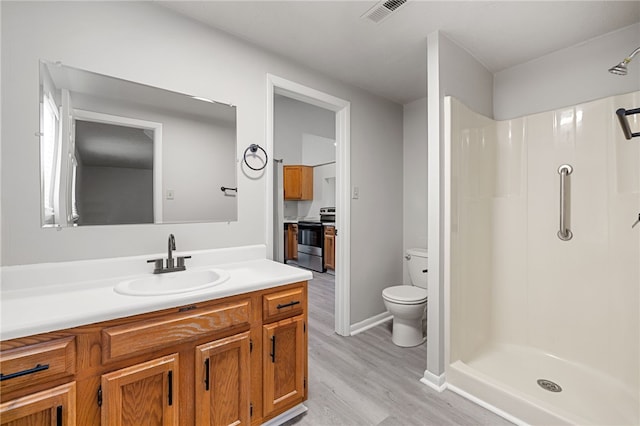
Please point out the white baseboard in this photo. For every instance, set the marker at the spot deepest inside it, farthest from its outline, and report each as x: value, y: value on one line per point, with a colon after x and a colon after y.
x: 361, y: 326
x: 436, y: 383
x: 286, y: 416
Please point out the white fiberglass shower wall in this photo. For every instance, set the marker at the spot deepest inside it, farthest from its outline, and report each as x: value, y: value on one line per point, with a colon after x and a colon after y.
x: 524, y: 305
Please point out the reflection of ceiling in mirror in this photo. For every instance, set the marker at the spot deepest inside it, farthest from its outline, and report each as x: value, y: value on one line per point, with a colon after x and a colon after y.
x: 110, y: 145
x: 86, y: 82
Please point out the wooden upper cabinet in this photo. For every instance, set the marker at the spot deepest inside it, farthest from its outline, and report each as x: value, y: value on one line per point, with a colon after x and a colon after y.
x: 222, y: 382
x: 143, y: 394
x: 284, y: 367
x: 298, y: 182
x: 56, y: 406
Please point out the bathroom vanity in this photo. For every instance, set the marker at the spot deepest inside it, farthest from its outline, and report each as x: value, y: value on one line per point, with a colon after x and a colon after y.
x: 240, y: 358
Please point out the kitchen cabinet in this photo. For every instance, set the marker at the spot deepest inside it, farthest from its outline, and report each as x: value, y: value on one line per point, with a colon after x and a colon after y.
x: 146, y: 393
x: 199, y: 364
x: 298, y: 182
x: 330, y: 247
x: 292, y: 242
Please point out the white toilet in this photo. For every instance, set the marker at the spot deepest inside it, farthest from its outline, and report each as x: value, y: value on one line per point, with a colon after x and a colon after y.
x: 407, y: 303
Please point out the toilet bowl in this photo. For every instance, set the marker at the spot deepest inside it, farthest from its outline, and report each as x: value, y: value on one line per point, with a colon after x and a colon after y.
x: 408, y: 303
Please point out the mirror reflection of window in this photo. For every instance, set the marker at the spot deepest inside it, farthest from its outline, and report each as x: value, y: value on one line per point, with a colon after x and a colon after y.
x: 50, y: 157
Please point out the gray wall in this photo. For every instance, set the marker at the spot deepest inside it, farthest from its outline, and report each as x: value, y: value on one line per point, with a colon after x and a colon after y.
x: 451, y: 71
x: 415, y: 178
x: 569, y: 76
x: 115, y: 195
x: 143, y: 42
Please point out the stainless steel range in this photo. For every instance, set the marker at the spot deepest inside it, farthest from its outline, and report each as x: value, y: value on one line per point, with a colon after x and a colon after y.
x: 311, y: 240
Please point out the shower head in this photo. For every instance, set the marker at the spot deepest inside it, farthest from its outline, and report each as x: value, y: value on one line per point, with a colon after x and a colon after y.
x: 621, y: 68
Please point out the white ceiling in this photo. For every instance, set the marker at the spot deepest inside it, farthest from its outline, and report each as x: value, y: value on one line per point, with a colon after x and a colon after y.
x: 389, y: 58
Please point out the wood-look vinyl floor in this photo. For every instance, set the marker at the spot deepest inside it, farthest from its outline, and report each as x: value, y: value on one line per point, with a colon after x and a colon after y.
x: 367, y: 380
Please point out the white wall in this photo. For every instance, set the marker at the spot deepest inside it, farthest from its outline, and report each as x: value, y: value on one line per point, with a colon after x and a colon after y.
x: 414, y: 217
x: 569, y: 76
x: 143, y: 42
x: 451, y: 71
x: 298, y: 124
x: 292, y: 120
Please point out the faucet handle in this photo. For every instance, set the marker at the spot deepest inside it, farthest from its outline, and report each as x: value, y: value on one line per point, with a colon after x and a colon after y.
x: 181, y: 261
x: 157, y: 264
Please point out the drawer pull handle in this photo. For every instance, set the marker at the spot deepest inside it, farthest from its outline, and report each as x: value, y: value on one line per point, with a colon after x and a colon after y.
x: 35, y: 369
x: 273, y: 349
x: 286, y: 305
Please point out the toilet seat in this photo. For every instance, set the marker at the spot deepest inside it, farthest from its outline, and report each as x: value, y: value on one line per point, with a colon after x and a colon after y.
x: 405, y: 294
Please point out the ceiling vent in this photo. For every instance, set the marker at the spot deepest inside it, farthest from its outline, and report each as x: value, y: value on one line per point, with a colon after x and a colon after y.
x: 383, y: 10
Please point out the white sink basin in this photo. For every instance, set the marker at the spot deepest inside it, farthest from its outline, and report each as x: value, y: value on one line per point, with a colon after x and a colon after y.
x: 172, y: 283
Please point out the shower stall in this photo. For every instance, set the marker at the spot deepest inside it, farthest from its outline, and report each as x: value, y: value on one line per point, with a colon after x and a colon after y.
x: 543, y: 290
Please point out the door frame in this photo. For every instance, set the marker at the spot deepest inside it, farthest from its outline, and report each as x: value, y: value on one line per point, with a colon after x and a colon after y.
x: 280, y: 86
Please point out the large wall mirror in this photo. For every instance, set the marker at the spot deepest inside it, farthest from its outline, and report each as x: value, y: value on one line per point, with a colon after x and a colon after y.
x: 118, y: 152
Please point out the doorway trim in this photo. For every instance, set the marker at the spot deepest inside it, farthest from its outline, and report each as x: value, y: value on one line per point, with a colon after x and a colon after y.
x: 280, y: 86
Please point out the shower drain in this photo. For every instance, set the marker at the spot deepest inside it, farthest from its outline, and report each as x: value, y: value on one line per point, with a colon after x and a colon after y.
x: 549, y: 385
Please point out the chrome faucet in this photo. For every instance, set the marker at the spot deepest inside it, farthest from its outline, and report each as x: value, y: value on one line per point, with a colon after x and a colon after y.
x: 171, y: 247
x: 171, y: 266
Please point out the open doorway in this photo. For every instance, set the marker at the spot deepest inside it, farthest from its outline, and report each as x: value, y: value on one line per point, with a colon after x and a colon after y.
x: 339, y: 110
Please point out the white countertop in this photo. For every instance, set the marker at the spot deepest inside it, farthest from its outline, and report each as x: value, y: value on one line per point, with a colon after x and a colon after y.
x: 32, y: 309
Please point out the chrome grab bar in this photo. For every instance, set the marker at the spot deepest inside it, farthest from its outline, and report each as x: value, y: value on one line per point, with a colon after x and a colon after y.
x: 564, y: 233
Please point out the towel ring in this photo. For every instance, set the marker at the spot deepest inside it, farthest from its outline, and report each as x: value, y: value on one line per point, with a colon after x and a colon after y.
x: 254, y: 148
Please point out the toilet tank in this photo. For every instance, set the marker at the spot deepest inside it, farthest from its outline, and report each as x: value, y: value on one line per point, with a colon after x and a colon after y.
x: 417, y: 262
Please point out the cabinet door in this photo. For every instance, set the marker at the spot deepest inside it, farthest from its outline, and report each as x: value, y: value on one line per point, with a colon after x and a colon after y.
x: 329, y: 250
x: 292, y: 182
x: 283, y: 360
x: 292, y: 241
x: 298, y: 182
x: 143, y: 394
x: 223, y: 381
x: 55, y: 406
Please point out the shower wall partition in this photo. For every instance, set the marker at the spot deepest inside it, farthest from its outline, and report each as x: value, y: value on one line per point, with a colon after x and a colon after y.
x: 545, y: 330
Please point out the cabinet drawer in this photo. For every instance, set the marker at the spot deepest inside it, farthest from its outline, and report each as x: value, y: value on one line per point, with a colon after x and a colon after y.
x: 37, y: 363
x: 282, y: 304
x: 329, y: 230
x: 142, y: 336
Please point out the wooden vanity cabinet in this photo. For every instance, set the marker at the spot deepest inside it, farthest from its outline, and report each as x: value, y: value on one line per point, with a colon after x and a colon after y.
x: 36, y: 387
x: 145, y: 393
x: 200, y: 364
x: 55, y: 406
x: 284, y: 353
x: 223, y: 381
x: 298, y: 182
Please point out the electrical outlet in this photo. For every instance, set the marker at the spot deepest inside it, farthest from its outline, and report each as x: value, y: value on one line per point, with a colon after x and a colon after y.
x: 356, y: 193
x: 170, y: 194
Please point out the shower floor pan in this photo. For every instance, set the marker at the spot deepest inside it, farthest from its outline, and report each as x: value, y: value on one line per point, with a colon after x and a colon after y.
x: 506, y: 377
